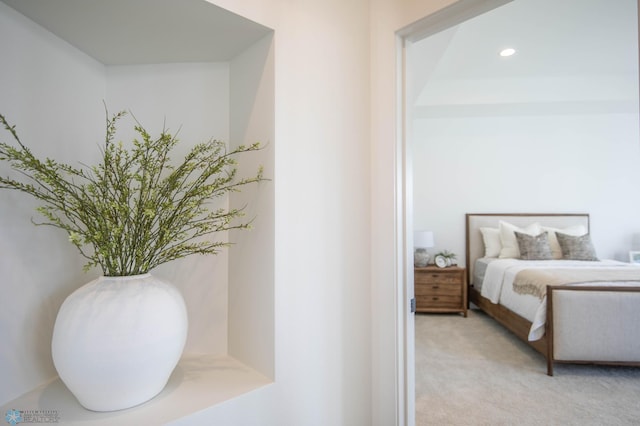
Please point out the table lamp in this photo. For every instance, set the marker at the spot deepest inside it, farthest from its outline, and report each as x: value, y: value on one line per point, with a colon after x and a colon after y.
x: 421, y: 241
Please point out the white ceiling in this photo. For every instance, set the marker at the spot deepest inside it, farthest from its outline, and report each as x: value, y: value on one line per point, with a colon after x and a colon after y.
x: 563, y: 45
x: 128, y: 32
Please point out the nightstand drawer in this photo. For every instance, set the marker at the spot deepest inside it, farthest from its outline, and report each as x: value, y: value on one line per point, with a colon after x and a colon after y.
x: 437, y: 277
x: 440, y: 289
x: 434, y: 301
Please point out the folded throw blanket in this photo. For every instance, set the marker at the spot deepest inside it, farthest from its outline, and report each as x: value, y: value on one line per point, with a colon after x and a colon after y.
x: 535, y: 281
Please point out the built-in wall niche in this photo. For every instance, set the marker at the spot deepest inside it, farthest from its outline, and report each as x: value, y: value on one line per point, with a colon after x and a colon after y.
x: 189, y: 65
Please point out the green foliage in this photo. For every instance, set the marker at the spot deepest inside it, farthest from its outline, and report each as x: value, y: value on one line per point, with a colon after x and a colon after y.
x: 134, y: 210
x: 447, y: 254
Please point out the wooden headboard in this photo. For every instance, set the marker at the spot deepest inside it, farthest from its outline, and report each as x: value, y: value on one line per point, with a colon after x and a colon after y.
x: 475, y: 221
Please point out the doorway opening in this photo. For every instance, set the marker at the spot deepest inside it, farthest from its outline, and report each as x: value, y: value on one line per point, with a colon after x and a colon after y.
x: 449, y: 96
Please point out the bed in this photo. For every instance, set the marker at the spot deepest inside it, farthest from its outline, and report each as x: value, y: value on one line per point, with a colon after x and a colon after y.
x: 548, y: 297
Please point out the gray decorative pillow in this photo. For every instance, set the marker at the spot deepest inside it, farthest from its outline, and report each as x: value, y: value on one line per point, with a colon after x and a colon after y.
x: 576, y: 248
x: 534, y: 247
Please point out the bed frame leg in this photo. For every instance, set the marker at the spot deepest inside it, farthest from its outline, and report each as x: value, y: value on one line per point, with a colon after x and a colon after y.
x: 549, y: 356
x: 549, y: 331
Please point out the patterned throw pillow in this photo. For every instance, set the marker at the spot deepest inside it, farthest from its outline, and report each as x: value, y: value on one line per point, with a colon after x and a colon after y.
x: 576, y: 248
x: 576, y: 231
x: 508, y: 240
x: 534, y: 247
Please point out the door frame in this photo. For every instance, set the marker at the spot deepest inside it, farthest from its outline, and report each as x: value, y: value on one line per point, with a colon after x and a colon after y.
x: 448, y: 17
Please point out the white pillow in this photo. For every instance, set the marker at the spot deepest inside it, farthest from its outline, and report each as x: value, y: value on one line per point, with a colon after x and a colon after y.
x: 574, y: 231
x: 508, y: 238
x: 492, y: 244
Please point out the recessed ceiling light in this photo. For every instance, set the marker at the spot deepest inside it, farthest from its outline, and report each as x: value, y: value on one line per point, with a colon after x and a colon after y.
x: 507, y: 52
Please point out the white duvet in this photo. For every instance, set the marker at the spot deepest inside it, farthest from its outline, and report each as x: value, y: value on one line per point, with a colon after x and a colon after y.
x: 497, y: 286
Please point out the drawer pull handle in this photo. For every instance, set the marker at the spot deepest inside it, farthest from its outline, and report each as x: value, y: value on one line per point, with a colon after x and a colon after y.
x: 435, y: 298
x: 435, y: 286
x: 434, y: 275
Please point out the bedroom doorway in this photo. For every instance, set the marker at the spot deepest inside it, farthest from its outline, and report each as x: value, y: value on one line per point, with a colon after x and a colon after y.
x: 452, y: 178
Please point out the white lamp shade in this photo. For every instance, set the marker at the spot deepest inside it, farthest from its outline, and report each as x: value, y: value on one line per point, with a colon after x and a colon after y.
x: 423, y: 239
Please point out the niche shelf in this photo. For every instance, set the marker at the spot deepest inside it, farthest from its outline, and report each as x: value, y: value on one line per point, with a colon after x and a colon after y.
x: 245, y: 360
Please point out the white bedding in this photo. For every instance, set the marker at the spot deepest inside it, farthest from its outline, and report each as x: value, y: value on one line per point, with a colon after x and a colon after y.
x: 497, y: 286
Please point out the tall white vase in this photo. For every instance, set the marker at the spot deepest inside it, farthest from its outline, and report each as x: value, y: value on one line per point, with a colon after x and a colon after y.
x: 117, y: 340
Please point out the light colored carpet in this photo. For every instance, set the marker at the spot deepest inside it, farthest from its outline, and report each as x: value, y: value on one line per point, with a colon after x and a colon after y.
x: 472, y: 371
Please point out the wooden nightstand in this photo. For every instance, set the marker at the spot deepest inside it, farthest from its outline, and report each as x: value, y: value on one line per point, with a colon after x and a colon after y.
x: 440, y: 289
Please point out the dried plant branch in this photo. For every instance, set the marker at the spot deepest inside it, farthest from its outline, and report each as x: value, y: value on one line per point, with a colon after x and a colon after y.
x: 134, y: 210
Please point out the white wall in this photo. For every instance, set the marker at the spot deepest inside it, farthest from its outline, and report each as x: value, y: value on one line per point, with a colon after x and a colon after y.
x: 322, y: 223
x: 192, y: 98
x: 557, y: 133
x: 252, y: 255
x: 53, y: 94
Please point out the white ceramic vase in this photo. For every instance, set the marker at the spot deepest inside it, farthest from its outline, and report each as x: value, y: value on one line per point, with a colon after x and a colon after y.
x: 117, y: 340
x: 420, y: 258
